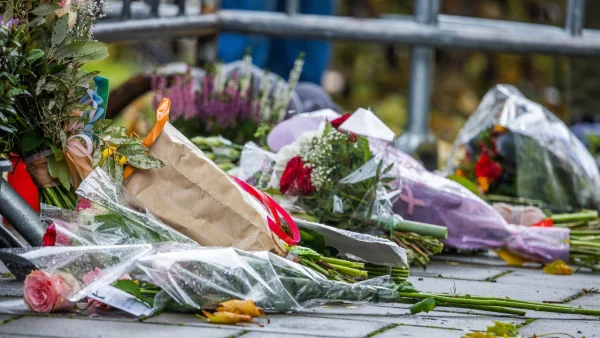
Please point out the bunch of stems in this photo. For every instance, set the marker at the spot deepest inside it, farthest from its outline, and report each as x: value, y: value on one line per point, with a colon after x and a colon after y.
x: 584, y: 237
x: 492, y: 304
x: 351, y: 272
x: 422, y: 247
x: 58, y: 196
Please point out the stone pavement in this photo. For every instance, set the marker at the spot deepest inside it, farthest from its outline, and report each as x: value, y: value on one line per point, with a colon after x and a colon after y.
x: 475, y: 275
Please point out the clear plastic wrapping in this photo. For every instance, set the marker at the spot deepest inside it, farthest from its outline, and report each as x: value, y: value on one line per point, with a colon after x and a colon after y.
x: 513, y: 146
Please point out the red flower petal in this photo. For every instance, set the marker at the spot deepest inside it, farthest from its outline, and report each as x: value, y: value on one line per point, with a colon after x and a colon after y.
x: 296, y: 178
x: 49, y: 238
x: 338, y: 122
x: 487, y: 168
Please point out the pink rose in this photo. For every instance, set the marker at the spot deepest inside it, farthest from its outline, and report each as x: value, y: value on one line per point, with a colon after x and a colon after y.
x: 44, y: 292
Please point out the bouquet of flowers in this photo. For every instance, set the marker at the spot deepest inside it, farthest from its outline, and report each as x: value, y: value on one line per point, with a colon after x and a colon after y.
x: 237, y: 101
x: 332, y: 176
x: 515, y: 148
x: 51, y: 110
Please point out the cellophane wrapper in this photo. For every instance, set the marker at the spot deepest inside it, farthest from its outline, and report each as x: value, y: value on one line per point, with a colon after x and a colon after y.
x: 551, y: 164
x: 190, y: 275
x: 107, y: 214
x: 419, y: 195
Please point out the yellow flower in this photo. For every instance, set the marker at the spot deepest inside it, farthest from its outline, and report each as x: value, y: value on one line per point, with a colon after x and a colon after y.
x: 483, y: 183
x: 107, y: 152
x: 460, y: 173
x: 499, y: 129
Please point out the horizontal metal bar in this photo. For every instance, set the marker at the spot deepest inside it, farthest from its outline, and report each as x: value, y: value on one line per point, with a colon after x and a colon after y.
x: 544, y: 41
x: 157, y: 28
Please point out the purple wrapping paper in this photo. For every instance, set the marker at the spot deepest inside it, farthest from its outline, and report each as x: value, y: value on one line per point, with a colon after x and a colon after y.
x: 472, y: 224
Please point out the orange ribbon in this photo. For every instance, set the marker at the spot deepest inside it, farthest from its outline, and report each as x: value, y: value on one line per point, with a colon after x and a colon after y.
x: 162, y: 117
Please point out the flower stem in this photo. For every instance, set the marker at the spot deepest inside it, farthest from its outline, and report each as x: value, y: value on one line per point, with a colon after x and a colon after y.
x: 424, y: 229
x: 342, y: 262
x: 575, y: 217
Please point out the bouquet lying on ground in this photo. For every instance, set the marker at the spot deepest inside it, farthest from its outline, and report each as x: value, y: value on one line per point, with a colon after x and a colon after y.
x: 237, y: 101
x: 425, y: 197
x: 224, y: 285
x: 332, y: 176
x: 514, y: 147
x: 51, y: 110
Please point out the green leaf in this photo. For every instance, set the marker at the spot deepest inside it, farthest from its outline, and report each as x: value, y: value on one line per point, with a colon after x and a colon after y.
x: 425, y: 305
x: 115, y: 131
x: 15, y: 92
x: 32, y: 139
x: 37, y: 21
x: 465, y: 182
x: 129, y: 287
x: 118, y: 172
x: 97, y: 158
x: 100, y: 125
x: 304, y: 252
x: 34, y: 55
x: 144, y: 161
x: 500, y: 329
x: 406, y: 286
x: 83, y: 51
x: 45, y: 9
x: 108, y: 164
x: 59, y: 170
x: 86, y: 78
x: 131, y: 149
x: 59, y: 30
x: 58, y: 152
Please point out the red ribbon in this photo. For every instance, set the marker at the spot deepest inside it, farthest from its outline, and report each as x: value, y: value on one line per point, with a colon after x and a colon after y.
x: 547, y: 223
x: 277, y: 212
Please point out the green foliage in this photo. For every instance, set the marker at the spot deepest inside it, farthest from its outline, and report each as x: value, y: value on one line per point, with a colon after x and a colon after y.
x: 500, y: 329
x: 144, y: 292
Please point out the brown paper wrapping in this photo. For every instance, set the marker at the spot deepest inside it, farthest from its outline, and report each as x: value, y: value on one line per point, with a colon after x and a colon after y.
x: 193, y: 196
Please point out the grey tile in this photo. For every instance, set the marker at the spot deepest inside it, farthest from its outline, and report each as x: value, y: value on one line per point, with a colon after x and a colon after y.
x: 420, y: 332
x: 443, y: 285
x: 590, y: 300
x: 537, y: 278
x: 64, y: 327
x: 11, y: 288
x: 576, y: 328
x: 296, y: 323
x: 450, y: 269
x: 456, y: 321
x: 258, y: 334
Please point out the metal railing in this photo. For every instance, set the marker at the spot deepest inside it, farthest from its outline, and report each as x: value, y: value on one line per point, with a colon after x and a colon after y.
x: 424, y: 31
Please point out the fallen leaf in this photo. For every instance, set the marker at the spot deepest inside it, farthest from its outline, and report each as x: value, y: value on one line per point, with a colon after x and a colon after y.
x: 351, y: 307
x: 452, y: 263
x: 558, y: 267
x: 510, y: 258
x: 242, y: 307
x: 425, y: 305
x: 503, y: 329
x: 226, y: 318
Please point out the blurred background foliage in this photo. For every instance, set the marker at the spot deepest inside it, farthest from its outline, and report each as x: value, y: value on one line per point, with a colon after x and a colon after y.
x: 377, y: 76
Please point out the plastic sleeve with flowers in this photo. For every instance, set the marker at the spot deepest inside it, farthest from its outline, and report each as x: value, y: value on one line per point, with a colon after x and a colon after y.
x: 512, y: 146
x: 423, y: 196
x: 194, y: 278
x: 106, y: 214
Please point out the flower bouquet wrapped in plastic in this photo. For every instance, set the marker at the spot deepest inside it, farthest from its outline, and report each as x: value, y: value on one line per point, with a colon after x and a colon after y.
x: 418, y: 195
x: 330, y: 175
x: 514, y: 147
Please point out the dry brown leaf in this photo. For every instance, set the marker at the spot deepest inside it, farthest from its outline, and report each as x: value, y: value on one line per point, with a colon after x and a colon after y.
x: 226, y: 318
x: 242, y: 307
x: 558, y: 267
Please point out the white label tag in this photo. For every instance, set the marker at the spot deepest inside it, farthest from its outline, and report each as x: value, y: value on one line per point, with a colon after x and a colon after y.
x: 121, y: 300
x: 338, y: 204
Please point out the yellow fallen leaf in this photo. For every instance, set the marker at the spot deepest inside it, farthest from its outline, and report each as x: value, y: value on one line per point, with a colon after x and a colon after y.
x: 226, y: 318
x: 242, y: 307
x: 510, y: 258
x: 558, y: 267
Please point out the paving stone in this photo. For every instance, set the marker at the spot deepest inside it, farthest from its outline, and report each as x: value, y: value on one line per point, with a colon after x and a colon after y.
x: 489, y: 259
x: 443, y: 285
x: 576, y: 328
x: 416, y: 331
x: 297, y: 324
x: 63, y: 327
x: 4, y: 318
x: 11, y: 288
x: 256, y: 334
x: 590, y: 300
x: 433, y: 319
x: 537, y: 278
x: 450, y: 269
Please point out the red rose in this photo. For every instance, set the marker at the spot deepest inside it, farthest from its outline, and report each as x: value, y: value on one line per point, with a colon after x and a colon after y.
x: 296, y: 178
x: 49, y: 238
x: 487, y: 168
x: 338, y: 122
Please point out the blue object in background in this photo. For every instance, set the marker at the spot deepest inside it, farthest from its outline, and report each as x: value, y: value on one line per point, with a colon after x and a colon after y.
x: 278, y: 55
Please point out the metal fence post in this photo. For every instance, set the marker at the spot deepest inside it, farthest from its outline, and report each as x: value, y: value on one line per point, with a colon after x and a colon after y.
x: 575, y: 17
x: 207, y: 46
x: 417, y: 140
